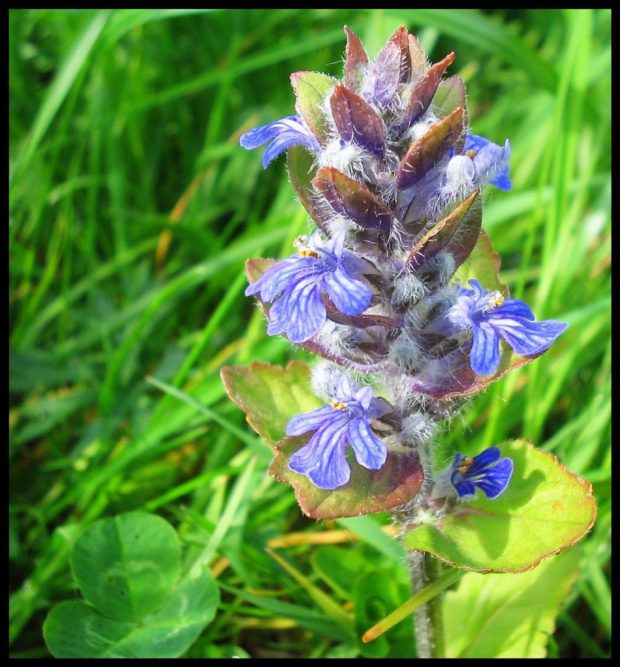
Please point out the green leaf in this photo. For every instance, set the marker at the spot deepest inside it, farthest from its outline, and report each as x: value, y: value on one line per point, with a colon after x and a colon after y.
x: 545, y: 509
x: 270, y: 396
x: 507, y: 615
x: 311, y: 89
x: 77, y: 630
x: 127, y: 568
x: 128, y: 565
x: 302, y: 171
x: 483, y: 265
x: 450, y: 96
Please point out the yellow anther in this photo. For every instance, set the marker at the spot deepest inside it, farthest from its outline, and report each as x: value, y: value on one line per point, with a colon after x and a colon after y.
x: 498, y: 300
x: 465, y: 463
x: 301, y: 243
x: 471, y: 154
x: 306, y: 252
x: 338, y: 406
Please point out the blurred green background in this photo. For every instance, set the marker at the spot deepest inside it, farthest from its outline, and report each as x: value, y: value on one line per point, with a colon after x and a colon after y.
x: 132, y: 208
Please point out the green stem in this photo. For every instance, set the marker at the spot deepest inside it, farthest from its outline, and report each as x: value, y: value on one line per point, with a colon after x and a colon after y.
x: 426, y: 576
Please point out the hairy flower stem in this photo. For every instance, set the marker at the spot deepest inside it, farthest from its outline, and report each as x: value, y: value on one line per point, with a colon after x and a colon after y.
x: 428, y: 619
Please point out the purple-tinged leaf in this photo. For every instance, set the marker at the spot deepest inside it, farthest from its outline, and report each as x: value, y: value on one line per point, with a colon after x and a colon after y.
x: 301, y: 171
x: 439, y: 236
x: 382, y: 81
x: 355, y: 61
x: 422, y: 93
x: 362, y: 321
x: 270, y: 396
x: 395, y: 483
x: 400, y: 39
x: 419, y: 63
x: 452, y: 376
x: 351, y: 199
x: 463, y: 243
x: 356, y: 121
x: 311, y: 88
x: 429, y: 149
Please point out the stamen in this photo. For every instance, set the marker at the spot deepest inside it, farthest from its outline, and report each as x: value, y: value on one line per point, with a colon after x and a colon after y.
x: 301, y: 243
x: 465, y: 463
x: 338, y: 406
x: 493, y: 300
x: 307, y: 253
x: 471, y: 153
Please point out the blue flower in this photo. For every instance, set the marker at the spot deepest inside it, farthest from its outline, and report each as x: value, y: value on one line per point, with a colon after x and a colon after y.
x: 482, y: 162
x: 295, y: 286
x: 286, y: 132
x: 344, y: 421
x: 490, y: 160
x: 490, y: 317
x: 484, y: 471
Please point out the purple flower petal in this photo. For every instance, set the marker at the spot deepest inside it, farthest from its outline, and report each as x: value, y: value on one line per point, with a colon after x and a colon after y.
x: 300, y: 311
x: 310, y: 421
x: 323, y: 459
x: 511, y: 308
x: 277, y: 277
x: 485, y: 471
x: 483, y: 460
x: 527, y: 337
x: 465, y: 488
x: 495, y: 480
x: 484, y: 355
x: 490, y: 316
x: 285, y: 132
x: 370, y: 452
x: 351, y: 297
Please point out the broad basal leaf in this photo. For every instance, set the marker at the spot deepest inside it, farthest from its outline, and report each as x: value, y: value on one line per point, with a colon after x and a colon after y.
x: 270, y: 396
x: 545, y: 509
x: 508, y: 615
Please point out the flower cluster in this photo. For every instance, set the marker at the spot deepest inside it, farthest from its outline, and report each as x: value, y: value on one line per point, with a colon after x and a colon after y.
x: 394, y: 187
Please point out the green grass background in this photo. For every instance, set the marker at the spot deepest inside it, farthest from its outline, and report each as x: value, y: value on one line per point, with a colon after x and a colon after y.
x: 132, y: 208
